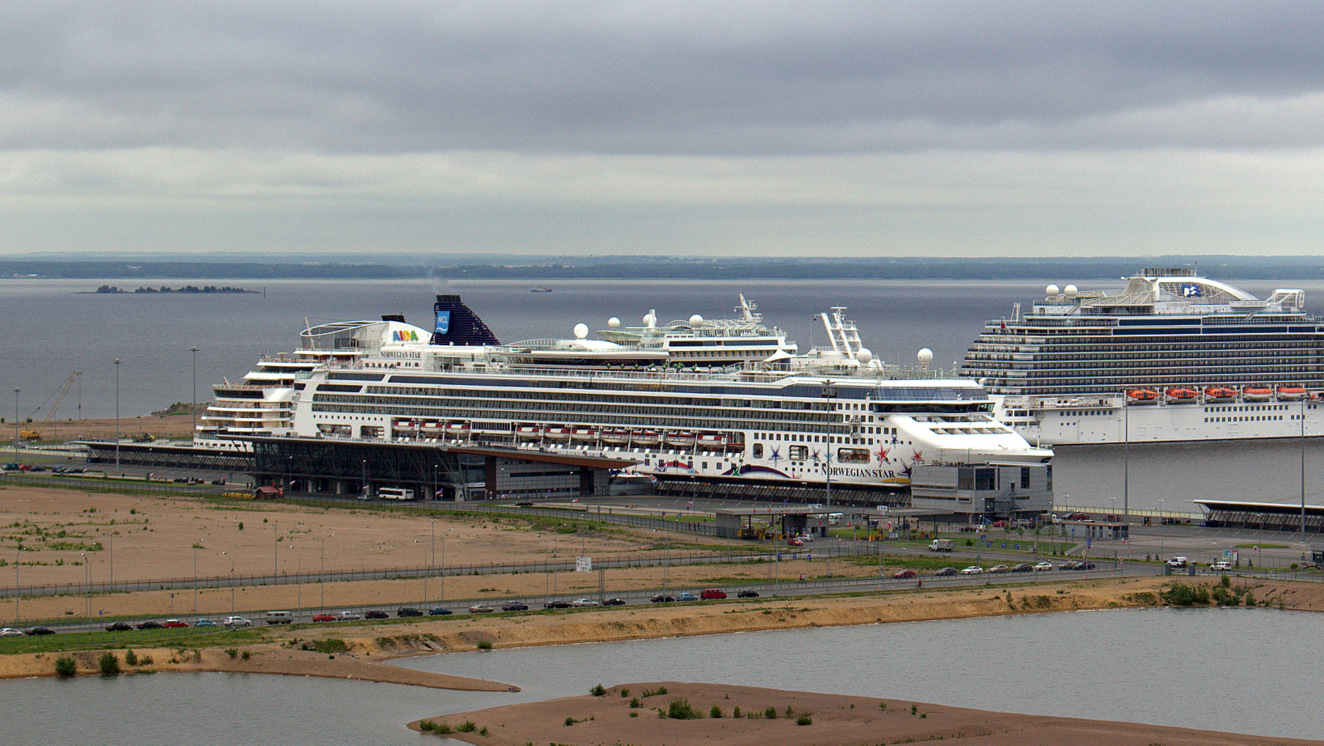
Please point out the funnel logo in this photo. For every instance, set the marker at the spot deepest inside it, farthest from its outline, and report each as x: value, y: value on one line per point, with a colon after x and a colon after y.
x: 443, y: 322
x: 405, y: 335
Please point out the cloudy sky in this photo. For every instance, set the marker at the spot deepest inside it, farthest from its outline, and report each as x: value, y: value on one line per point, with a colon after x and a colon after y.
x: 707, y: 128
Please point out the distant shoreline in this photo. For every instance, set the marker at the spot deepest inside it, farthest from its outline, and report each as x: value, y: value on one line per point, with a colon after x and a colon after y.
x: 165, y: 290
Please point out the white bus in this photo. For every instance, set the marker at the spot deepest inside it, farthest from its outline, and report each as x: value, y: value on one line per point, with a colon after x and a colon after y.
x: 395, y: 493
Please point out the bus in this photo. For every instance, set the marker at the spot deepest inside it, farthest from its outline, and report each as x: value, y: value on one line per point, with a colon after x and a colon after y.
x: 395, y: 493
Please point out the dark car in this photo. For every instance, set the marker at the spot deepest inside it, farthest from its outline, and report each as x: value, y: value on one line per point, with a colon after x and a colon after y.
x: 376, y: 614
x: 408, y: 611
x: 1070, y: 565
x: 150, y: 625
x: 557, y: 605
x: 662, y: 599
x: 438, y: 611
x: 514, y: 606
x: 747, y: 594
x: 40, y: 631
x: 1023, y: 567
x: 945, y: 572
x: 1086, y: 566
x: 614, y: 602
x: 903, y: 574
x: 119, y: 627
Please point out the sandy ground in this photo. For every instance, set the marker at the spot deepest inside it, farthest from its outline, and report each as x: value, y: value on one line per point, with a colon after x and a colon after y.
x: 167, y: 426
x: 833, y: 719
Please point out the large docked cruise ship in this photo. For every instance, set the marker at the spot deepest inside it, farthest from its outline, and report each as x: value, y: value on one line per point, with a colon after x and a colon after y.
x: 1173, y: 357
x: 833, y: 417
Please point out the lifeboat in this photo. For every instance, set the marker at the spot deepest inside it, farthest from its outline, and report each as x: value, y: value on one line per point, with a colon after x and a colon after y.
x: 528, y: 432
x: 402, y: 424
x: 1181, y: 396
x: 679, y: 438
x: 586, y: 434
x: 433, y: 425
x: 1291, y: 393
x: 1217, y: 394
x: 557, y: 433
x: 644, y: 437
x: 1257, y: 393
x: 1142, y: 396
x: 457, y: 428
x: 616, y: 436
x: 711, y: 442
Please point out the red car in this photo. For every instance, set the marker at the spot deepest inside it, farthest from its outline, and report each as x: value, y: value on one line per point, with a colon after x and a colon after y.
x: 712, y: 593
x: 795, y: 542
x: 904, y: 574
x: 174, y: 624
x: 324, y: 617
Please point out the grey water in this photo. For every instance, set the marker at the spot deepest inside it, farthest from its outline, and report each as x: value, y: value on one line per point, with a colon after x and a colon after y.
x: 1242, y: 671
x: 55, y: 327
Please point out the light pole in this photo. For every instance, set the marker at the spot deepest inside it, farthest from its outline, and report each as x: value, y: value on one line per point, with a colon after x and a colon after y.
x: 321, y: 575
x: 194, y: 434
x: 16, y: 390
x: 1161, y: 529
x: 87, y: 587
x: 117, y: 413
x: 231, y: 583
x: 195, y: 577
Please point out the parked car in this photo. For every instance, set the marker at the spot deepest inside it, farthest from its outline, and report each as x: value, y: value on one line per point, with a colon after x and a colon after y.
x: 973, y: 570
x: 514, y: 606
x: 662, y: 598
x: 709, y: 594
x: 237, y: 621
x: 11, y: 632
x: 349, y: 616
x: 376, y: 614
x: 579, y: 602
x: 439, y: 611
x: 481, y: 609
x: 112, y: 627
x: 1177, y: 562
x: 795, y: 542
x: 614, y: 602
x: 408, y: 611
x: 1023, y: 567
x: 149, y: 624
x: 902, y: 574
x: 687, y: 596
x: 204, y: 622
x: 747, y: 594
x: 945, y: 572
x: 324, y: 617
x: 37, y: 631
x: 174, y: 624
x: 1043, y: 566
x: 558, y: 604
x: 999, y: 568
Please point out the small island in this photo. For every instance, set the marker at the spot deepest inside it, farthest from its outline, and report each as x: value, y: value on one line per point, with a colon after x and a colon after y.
x: 112, y: 289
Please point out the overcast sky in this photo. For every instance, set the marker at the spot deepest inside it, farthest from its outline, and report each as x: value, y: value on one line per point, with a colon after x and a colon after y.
x: 708, y: 128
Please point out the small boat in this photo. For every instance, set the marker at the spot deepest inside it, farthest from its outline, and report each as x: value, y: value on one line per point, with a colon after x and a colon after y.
x: 528, y: 432
x: 540, y: 289
x: 403, y: 424
x: 1291, y: 393
x: 616, y: 436
x: 711, y: 442
x: 1181, y: 396
x: 644, y: 437
x: 1142, y: 396
x: 679, y: 438
x: 1257, y: 393
x: 557, y: 433
x: 1216, y: 394
x: 585, y: 434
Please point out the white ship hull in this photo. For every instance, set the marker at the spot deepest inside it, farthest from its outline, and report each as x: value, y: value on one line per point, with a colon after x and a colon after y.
x: 1105, y: 420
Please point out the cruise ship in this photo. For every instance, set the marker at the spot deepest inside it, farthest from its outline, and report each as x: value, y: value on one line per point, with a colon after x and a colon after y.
x: 833, y: 418
x: 1172, y: 357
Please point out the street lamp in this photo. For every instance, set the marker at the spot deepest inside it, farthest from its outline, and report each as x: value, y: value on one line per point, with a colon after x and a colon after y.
x: 321, y: 575
x: 194, y: 350
x: 87, y: 587
x: 829, y: 391
x: 195, y: 577
x: 16, y: 390
x: 117, y: 413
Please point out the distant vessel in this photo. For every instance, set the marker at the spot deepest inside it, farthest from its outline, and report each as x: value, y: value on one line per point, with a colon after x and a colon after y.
x: 540, y: 289
x: 1207, y: 361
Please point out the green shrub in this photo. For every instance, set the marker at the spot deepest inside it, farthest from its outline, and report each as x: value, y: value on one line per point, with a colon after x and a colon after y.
x: 569, y: 721
x: 625, y: 693
x: 442, y: 727
x: 770, y: 713
x: 633, y: 714
x: 914, y: 709
x: 245, y: 655
x: 735, y: 712
x: 329, y: 645
x: 634, y: 703
x: 597, y: 690
x: 130, y: 658
x: 109, y: 664
x: 804, y: 720
x: 484, y: 645
x: 789, y: 711
x: 466, y: 727
x: 715, y: 713
x: 427, y: 726
x: 66, y: 666
x: 232, y: 652
x: 680, y: 709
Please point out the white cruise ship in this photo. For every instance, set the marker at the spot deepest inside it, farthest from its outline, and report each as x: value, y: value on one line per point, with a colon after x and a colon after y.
x: 707, y: 342
x: 1172, y: 357
x: 833, y: 419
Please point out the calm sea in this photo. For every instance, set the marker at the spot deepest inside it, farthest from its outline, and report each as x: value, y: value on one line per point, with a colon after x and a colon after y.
x: 56, y: 327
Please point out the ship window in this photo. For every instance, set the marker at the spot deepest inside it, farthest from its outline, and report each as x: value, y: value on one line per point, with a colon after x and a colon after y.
x: 758, y: 450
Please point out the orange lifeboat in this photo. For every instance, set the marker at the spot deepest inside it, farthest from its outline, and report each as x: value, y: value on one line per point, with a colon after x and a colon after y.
x: 1291, y: 393
x: 1257, y: 393
x: 1181, y: 395
x: 1142, y: 396
x: 1219, y: 394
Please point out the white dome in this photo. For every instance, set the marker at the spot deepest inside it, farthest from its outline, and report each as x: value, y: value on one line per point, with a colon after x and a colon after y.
x: 1051, y: 290
x: 925, y: 356
x: 581, y: 331
x: 696, y: 319
x: 650, y: 319
x: 864, y: 355
x: 613, y: 323
x: 1070, y: 291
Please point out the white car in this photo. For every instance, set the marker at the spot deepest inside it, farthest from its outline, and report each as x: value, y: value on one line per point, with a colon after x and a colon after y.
x: 1221, y: 566
x: 349, y: 616
x: 1045, y: 565
x: 237, y: 621
x: 973, y: 570
x: 584, y: 602
x: 11, y: 632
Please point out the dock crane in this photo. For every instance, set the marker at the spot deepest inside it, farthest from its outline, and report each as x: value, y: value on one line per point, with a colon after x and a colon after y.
x: 34, y: 433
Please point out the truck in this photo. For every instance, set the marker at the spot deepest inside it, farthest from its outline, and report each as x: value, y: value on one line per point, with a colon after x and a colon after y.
x: 942, y: 545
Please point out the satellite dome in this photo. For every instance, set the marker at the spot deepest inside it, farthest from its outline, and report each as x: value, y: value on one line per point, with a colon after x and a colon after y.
x: 1070, y: 291
x: 614, y: 323
x: 581, y: 330
x: 864, y: 355
x: 925, y: 356
x: 650, y: 319
x: 1051, y: 290
x: 696, y: 319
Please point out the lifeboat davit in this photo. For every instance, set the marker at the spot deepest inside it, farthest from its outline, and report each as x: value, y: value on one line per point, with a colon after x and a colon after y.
x: 1142, y: 396
x: 1219, y: 394
x: 1257, y: 393
x: 1181, y: 396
